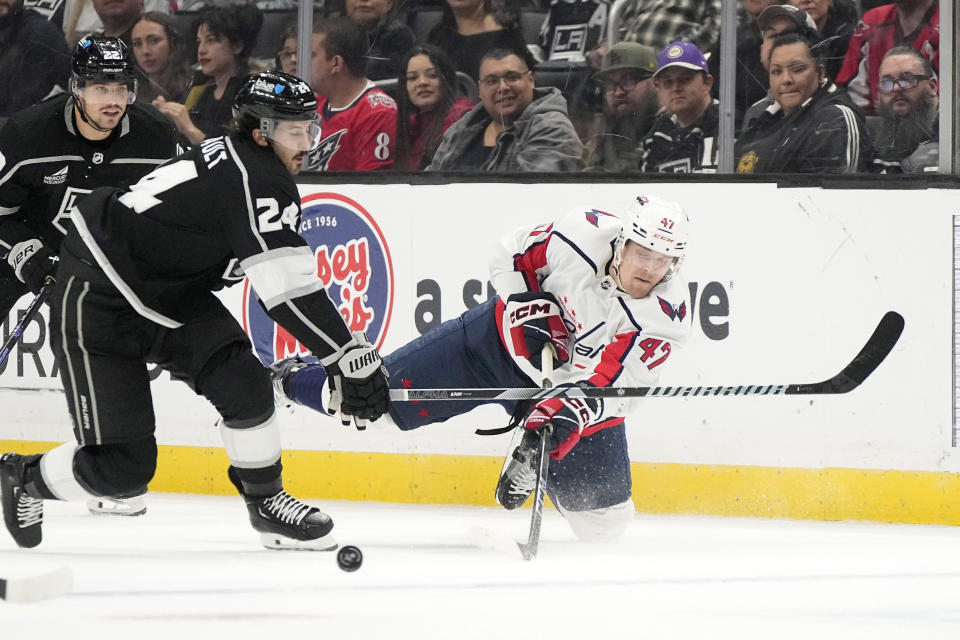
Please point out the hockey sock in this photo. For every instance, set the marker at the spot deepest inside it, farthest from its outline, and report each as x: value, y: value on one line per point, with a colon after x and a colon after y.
x: 307, y: 387
x: 35, y: 486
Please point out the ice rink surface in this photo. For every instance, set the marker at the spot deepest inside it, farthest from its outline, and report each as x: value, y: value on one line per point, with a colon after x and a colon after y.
x: 192, y: 568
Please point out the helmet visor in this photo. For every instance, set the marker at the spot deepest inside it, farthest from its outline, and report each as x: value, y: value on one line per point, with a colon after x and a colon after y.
x: 105, y: 91
x: 299, y: 135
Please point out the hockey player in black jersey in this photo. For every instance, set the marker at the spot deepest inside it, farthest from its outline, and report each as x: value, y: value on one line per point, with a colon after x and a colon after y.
x: 53, y: 152
x: 134, y: 286
x: 56, y: 151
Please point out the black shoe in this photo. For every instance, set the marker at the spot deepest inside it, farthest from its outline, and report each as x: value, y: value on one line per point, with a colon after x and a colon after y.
x: 22, y: 514
x: 286, y: 523
x: 519, y: 476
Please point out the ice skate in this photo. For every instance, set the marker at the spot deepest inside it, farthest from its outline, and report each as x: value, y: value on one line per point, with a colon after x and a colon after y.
x: 279, y: 371
x: 22, y: 514
x: 519, y: 476
x: 287, y: 523
x: 128, y: 507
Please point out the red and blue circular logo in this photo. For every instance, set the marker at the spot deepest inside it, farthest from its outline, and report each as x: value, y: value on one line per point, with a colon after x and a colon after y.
x: 353, y: 262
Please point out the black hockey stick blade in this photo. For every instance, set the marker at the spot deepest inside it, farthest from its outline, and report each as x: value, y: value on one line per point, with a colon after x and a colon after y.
x: 44, y: 586
x: 529, y: 548
x: 880, y: 344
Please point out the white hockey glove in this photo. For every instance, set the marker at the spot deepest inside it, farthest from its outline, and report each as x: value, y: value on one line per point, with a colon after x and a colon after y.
x: 33, y: 263
x: 359, y: 386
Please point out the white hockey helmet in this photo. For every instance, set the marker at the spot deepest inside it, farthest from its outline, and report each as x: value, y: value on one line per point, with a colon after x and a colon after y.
x: 657, y: 224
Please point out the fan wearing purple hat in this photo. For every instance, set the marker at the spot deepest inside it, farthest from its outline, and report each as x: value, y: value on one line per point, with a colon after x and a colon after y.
x: 683, y: 138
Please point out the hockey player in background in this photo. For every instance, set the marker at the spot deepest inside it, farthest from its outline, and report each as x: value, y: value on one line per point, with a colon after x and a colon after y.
x: 604, y: 292
x: 58, y: 150
x: 135, y: 286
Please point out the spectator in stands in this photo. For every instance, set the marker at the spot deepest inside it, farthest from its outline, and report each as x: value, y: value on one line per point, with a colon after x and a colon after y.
x: 835, y: 20
x: 34, y: 58
x: 163, y: 58
x: 683, y: 138
x: 390, y: 39
x: 428, y: 105
x: 774, y: 21
x: 470, y: 28
x: 358, y: 121
x: 225, y: 38
x: 908, y: 102
x: 118, y: 18
x: 630, y: 107
x: 657, y: 23
x: 573, y: 28
x: 751, y: 80
x: 517, y: 127
x: 286, y: 59
x: 914, y: 23
x: 812, y: 127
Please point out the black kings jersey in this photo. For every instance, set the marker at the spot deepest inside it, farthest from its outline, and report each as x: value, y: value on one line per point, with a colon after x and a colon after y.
x: 182, y: 230
x: 45, y: 165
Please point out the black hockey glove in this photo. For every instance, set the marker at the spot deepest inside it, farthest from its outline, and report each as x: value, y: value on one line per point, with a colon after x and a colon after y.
x: 33, y: 263
x: 568, y: 417
x: 359, y: 387
x: 536, y: 319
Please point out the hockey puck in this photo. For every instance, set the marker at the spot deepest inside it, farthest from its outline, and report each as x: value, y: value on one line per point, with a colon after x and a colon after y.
x: 349, y: 558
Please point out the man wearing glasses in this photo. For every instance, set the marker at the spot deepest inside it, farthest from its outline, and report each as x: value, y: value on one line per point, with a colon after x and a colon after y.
x: 908, y: 102
x: 630, y: 107
x: 516, y: 127
x: 684, y: 137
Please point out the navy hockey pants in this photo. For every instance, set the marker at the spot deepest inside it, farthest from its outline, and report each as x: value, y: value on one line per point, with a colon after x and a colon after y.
x: 466, y: 352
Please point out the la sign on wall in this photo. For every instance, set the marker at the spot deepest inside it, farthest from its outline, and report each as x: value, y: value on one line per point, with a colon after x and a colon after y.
x: 353, y: 262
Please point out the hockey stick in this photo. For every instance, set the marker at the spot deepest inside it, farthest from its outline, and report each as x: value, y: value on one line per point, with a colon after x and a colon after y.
x: 39, y: 587
x: 25, y: 320
x: 528, y: 549
x: 880, y: 344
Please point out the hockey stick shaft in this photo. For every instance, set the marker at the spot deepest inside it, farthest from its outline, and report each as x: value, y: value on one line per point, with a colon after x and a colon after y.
x: 529, y: 549
x: 884, y: 338
x: 25, y: 320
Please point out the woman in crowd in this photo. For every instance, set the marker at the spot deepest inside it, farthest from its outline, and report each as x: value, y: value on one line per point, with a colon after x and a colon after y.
x: 225, y: 38
x: 811, y: 127
x: 835, y: 20
x: 389, y: 38
x: 286, y: 59
x: 426, y: 107
x: 163, y: 58
x: 470, y: 28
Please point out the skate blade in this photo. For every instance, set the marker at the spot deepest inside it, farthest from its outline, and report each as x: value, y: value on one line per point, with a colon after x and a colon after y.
x: 35, y: 588
x: 283, y: 543
x: 107, y: 507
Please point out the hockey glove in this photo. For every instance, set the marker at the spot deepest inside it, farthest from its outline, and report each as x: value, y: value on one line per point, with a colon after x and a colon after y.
x: 359, y: 387
x: 536, y: 319
x: 568, y: 418
x: 32, y: 262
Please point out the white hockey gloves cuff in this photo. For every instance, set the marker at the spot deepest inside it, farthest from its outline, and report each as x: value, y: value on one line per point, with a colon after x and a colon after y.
x: 33, y: 263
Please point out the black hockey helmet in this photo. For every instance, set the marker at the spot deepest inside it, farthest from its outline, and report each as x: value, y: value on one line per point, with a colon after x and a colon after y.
x: 274, y: 94
x: 103, y: 59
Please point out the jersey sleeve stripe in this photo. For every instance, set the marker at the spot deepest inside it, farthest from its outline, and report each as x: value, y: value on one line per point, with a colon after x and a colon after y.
x: 6, y: 211
x: 251, y: 213
x: 81, y: 227
x: 577, y: 250
x: 282, y: 274
x: 13, y: 170
x: 138, y: 160
x: 527, y: 263
x: 611, y: 361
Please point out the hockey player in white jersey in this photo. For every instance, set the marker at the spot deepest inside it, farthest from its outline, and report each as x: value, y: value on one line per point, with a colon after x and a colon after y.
x: 604, y: 291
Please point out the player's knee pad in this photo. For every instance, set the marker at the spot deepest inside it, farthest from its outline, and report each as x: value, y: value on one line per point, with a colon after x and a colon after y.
x: 72, y: 472
x: 600, y: 525
x: 238, y: 385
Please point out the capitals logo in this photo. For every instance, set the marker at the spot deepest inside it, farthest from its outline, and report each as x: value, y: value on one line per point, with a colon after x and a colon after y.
x: 674, y: 313
x: 593, y: 216
x: 353, y: 262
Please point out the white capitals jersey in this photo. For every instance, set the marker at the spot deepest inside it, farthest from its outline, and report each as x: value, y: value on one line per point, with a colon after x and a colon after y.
x: 620, y: 341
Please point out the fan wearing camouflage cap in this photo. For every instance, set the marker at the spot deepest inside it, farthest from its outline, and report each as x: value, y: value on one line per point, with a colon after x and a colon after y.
x: 630, y: 107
